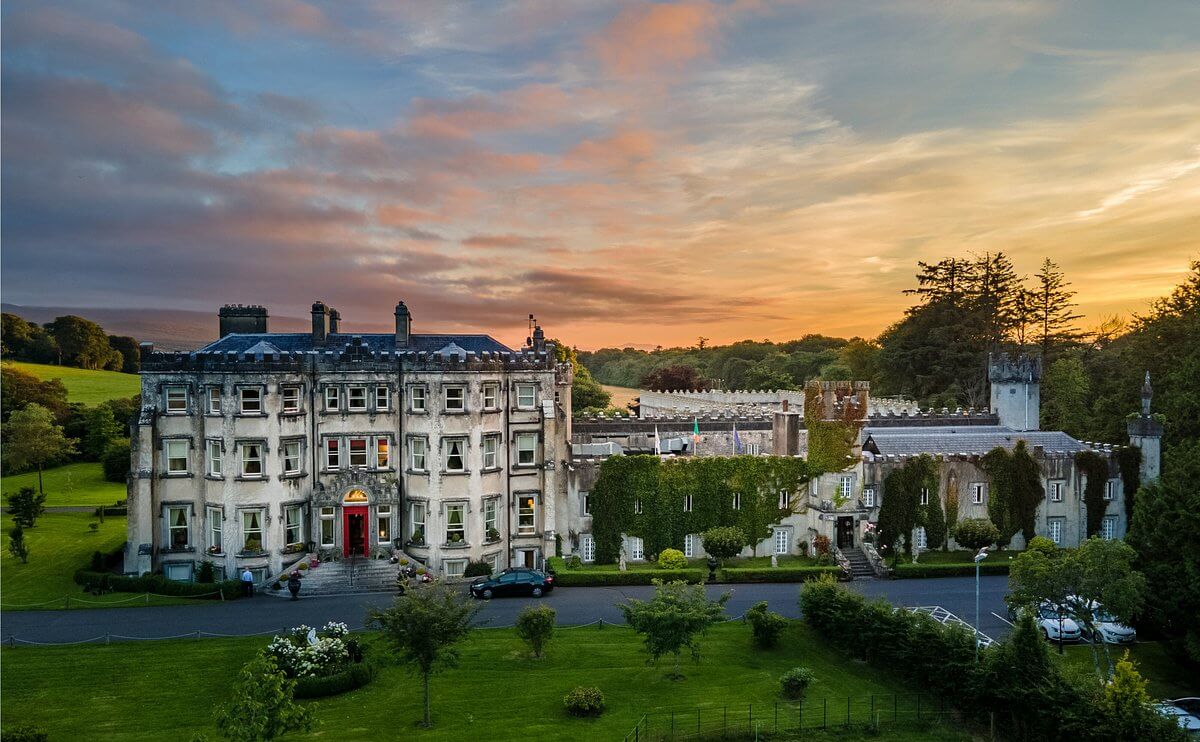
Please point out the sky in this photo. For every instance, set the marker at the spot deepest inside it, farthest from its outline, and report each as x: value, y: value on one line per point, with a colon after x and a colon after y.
x: 632, y: 173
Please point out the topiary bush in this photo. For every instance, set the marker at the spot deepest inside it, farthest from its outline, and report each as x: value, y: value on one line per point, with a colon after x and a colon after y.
x: 584, y: 701
x: 477, y: 569
x: 723, y: 542
x: 672, y: 559
x: 795, y: 681
x: 574, y: 562
x: 765, y: 625
x: 1042, y: 544
x: 976, y: 533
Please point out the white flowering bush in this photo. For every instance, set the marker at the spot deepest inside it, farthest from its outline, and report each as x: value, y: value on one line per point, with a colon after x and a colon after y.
x: 333, y: 651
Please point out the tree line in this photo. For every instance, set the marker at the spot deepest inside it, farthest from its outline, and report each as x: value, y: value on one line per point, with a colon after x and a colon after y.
x: 68, y: 341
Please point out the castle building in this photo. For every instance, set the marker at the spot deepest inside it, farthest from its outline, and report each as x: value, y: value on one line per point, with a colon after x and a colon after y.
x: 261, y: 449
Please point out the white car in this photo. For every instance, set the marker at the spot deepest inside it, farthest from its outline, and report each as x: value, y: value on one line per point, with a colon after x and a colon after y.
x: 1112, y: 631
x: 1186, y: 711
x: 1051, y: 622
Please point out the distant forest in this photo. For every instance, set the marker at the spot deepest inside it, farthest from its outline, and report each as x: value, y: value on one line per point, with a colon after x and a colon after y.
x: 964, y: 309
x: 68, y: 341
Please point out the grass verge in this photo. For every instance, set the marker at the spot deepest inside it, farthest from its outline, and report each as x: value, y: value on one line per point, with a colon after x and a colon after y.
x: 73, y: 484
x: 85, y: 386
x: 1155, y: 661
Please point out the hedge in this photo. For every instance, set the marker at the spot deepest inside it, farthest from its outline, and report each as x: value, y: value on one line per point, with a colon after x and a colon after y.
x: 158, y: 585
x: 356, y: 676
x: 775, y: 574
x: 596, y: 577
x: 913, y: 571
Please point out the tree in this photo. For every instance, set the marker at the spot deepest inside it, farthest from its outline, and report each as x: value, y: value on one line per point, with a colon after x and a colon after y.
x: 1052, y: 307
x: 423, y: 626
x: 975, y: 533
x: 82, y: 342
x: 1066, y: 395
x: 673, y: 620
x: 116, y: 460
x: 535, y: 626
x: 1020, y: 684
x: 26, y: 506
x: 18, y: 389
x: 766, y: 625
x: 1128, y: 709
x: 1038, y: 577
x: 586, y: 392
x: 261, y: 707
x: 15, y: 336
x: 16, y: 544
x: 673, y: 378
x: 723, y: 542
x: 32, y: 439
x: 131, y: 352
x: 102, y: 429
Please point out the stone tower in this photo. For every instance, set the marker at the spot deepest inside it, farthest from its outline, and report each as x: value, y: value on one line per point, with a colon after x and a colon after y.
x: 1016, y: 390
x: 1146, y: 433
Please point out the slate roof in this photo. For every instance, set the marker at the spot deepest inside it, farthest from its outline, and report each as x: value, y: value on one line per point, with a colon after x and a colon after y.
x: 975, y: 439
x: 299, y: 342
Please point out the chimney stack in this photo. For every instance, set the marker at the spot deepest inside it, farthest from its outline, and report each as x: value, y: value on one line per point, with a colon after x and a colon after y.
x: 403, y: 326
x: 242, y: 319
x: 335, y: 317
x: 320, y: 323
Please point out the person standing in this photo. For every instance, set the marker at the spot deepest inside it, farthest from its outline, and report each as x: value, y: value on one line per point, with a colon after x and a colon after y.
x: 248, y: 582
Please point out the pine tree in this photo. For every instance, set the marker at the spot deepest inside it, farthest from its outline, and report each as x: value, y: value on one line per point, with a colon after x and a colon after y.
x: 1052, y: 307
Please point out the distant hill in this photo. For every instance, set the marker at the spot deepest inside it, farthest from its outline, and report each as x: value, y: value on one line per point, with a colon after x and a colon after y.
x: 168, y: 329
x: 83, y: 385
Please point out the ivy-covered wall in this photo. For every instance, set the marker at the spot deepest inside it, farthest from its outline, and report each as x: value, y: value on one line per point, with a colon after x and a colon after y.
x: 1095, y: 468
x: 901, y: 510
x: 1014, y: 492
x: 1129, y: 460
x: 644, y: 496
x: 832, y: 434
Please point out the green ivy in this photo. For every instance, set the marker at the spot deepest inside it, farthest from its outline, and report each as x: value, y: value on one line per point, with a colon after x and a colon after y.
x: 1129, y: 460
x: 830, y: 442
x: 901, y: 510
x: 1095, y: 468
x: 1015, y: 491
x: 662, y: 487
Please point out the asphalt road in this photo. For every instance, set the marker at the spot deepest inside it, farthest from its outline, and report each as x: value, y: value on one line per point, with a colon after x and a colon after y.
x: 577, y: 605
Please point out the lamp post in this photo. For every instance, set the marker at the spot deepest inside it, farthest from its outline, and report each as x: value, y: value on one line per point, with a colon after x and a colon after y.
x: 978, y: 558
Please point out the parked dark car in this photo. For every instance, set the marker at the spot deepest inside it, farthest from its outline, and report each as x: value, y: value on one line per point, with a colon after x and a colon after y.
x: 511, y: 583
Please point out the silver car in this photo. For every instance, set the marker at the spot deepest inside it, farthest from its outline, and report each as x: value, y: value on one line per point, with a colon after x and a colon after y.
x: 1111, y: 631
x: 1186, y: 711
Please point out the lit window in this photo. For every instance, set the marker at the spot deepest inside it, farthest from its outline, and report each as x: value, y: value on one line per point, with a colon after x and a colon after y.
x: 526, y: 449
x: 689, y: 545
x: 783, y: 541
x: 785, y: 500
x: 250, y: 401
x: 977, y: 492
x: 356, y: 398
x: 358, y: 453
x: 525, y: 514
x: 176, y: 399
x: 1056, y: 491
x: 291, y: 399
x: 456, y: 529
x: 383, y: 453
x: 635, y: 549
x: 490, y: 530
x: 589, y: 548
x: 526, y: 396
x: 214, y: 400
x: 1056, y: 531
x: 416, y: 454
x: 293, y: 524
x: 212, y: 458
x: 924, y: 495
x: 291, y: 457
x: 847, y: 486
x: 922, y: 539
x: 456, y: 459
x: 416, y: 398
x: 687, y: 503
x: 491, y: 452
x: 455, y: 399
x: 251, y: 457
x: 327, y: 514
x: 455, y: 567
x: 177, y: 526
x: 417, y: 523
x: 737, y: 500
x: 333, y: 453
x: 176, y: 452
x: 385, y: 523
x: 214, y: 530
x: 332, y: 400
x: 869, y: 496
x: 252, y: 535
x: 382, y: 398
x: 491, y: 396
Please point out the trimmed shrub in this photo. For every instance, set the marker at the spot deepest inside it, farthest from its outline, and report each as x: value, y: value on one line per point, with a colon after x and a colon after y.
x: 206, y: 575
x: 574, y: 562
x: 913, y: 571
x: 1042, y: 544
x: 765, y: 625
x: 724, y: 542
x: 594, y: 577
x: 976, y: 533
x: 477, y: 569
x: 157, y: 584
x: 535, y: 626
x: 355, y: 676
x: 795, y: 681
x: 672, y: 559
x: 777, y: 574
x: 584, y: 700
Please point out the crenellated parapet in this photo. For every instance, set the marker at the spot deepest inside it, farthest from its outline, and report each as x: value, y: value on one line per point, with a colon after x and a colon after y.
x: 345, y: 358
x: 1003, y: 368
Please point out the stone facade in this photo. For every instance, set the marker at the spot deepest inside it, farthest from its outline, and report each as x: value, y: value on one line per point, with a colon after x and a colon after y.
x: 263, y: 448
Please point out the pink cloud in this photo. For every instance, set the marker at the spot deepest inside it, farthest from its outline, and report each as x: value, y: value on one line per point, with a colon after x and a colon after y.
x: 652, y: 37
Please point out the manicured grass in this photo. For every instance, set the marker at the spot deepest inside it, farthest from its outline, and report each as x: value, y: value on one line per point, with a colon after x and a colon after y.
x: 84, y: 386
x: 59, y: 544
x: 73, y: 484
x: 937, y: 556
x: 1168, y: 677
x: 137, y: 691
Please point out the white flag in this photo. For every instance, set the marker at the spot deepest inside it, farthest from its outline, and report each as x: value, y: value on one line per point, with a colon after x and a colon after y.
x: 657, y: 443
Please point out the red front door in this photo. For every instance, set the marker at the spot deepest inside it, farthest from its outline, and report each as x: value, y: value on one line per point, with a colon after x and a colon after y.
x: 354, y: 531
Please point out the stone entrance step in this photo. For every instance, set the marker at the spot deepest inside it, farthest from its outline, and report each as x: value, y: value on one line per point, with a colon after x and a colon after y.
x: 350, y: 576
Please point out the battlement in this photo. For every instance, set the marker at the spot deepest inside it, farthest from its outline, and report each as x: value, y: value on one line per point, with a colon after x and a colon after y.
x: 350, y: 356
x: 1022, y: 369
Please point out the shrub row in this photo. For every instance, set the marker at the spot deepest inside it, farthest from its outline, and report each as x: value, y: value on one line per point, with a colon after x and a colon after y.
x: 356, y: 676
x: 158, y: 585
x: 775, y: 574
x: 111, y: 510
x: 595, y: 577
x: 913, y: 571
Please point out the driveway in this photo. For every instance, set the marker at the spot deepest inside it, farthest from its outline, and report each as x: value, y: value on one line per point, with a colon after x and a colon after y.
x: 575, y: 605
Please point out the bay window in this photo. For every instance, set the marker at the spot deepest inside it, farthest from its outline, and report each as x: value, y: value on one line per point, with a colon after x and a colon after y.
x: 491, y: 452
x: 490, y: 530
x: 215, y: 517
x: 212, y: 458
x: 417, y: 523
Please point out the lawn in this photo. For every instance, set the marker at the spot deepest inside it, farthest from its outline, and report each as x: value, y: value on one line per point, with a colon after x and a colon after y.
x: 937, y: 556
x: 84, y: 386
x: 1168, y: 678
x: 137, y: 692
x: 73, y: 484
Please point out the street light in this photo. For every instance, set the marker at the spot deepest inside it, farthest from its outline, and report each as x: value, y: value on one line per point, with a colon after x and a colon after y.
x: 983, y: 553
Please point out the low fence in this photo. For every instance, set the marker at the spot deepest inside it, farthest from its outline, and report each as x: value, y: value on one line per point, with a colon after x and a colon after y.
x: 748, y: 720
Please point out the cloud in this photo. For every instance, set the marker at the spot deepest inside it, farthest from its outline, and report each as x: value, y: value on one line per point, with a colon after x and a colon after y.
x: 647, y: 38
